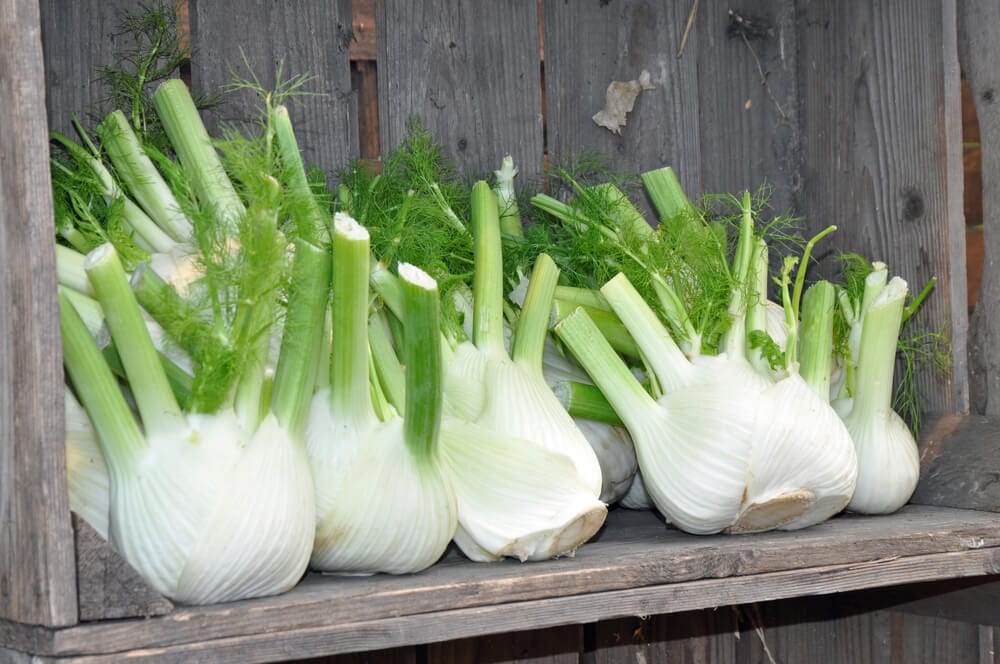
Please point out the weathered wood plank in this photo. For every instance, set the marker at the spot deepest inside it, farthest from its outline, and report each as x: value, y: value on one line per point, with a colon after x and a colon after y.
x: 471, y: 71
x: 980, y: 56
x: 313, y: 40
x: 748, y: 98
x: 925, y: 639
x: 634, y: 554
x: 683, y: 638
x: 960, y: 464
x: 363, y: 30
x: 268, y: 641
x: 107, y: 586
x: 555, y: 645
x: 37, y: 571
x: 78, y: 38
x: 813, y: 629
x: 589, y: 45
x: 881, y: 136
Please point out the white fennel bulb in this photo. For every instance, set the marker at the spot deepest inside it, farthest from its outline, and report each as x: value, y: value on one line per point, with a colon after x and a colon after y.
x: 636, y: 498
x: 208, y: 507
x: 383, y: 504
x: 507, y: 392
x: 86, y: 471
x: 888, y: 461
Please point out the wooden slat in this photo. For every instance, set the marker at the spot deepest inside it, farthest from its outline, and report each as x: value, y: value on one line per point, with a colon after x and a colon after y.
x: 363, y: 28
x: 980, y: 55
x: 79, y: 37
x: 683, y: 638
x: 634, y: 557
x: 882, y: 153
x: 107, y: 586
x: 589, y: 45
x: 261, y: 645
x: 924, y: 639
x: 312, y: 39
x: 37, y: 574
x: 555, y: 645
x: 748, y: 98
x: 470, y: 70
x: 959, y: 464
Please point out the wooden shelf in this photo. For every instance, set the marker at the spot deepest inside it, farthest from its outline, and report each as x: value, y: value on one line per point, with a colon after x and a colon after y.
x: 637, y: 566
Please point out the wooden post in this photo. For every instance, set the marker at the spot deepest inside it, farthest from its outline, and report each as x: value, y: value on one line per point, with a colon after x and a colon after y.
x: 37, y: 571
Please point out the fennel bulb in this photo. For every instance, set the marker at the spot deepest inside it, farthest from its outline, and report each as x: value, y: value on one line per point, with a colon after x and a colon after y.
x: 383, y: 503
x: 507, y: 392
x: 888, y: 460
x: 211, y: 506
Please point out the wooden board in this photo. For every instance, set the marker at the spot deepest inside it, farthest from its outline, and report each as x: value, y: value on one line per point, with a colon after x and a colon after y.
x: 883, y: 161
x: 622, y: 39
x: 980, y: 55
x: 470, y: 70
x: 748, y: 99
x: 636, y: 567
x: 79, y: 37
x: 683, y: 638
x: 555, y: 645
x: 37, y: 573
x: 312, y: 40
x: 959, y: 464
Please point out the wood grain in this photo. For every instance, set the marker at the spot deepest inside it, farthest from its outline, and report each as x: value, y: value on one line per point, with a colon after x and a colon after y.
x: 589, y: 45
x: 683, y: 638
x: 471, y: 71
x: 748, y: 99
x: 980, y: 56
x: 79, y: 37
x: 107, y: 586
x: 962, y: 468
x: 882, y: 154
x: 262, y: 645
x: 555, y: 645
x: 312, y: 40
x: 636, y: 565
x: 37, y: 573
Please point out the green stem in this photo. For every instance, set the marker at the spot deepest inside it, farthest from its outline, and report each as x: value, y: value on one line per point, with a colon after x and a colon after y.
x: 818, y: 306
x: 659, y: 349
x: 487, y: 284
x: 914, y: 304
x: 153, y: 395
x: 627, y: 217
x: 70, y: 272
x: 388, y: 368
x: 791, y: 320
x: 141, y: 177
x: 877, y: 356
x: 180, y: 380
x: 586, y: 297
x: 756, y: 316
x: 800, y: 278
x: 424, y: 362
x: 665, y: 191
x: 585, y: 401
x: 606, y: 369
x: 312, y: 221
x: 533, y: 322
x: 350, y: 393
x: 510, y: 216
x: 117, y: 431
x: 193, y: 145
x: 295, y: 375
x: 87, y: 307
x: 607, y: 322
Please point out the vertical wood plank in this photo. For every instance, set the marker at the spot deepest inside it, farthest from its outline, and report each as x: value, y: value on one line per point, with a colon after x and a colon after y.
x: 881, y: 132
x: 79, y: 37
x: 980, y: 56
x: 926, y: 639
x: 589, y: 45
x: 694, y: 637
x: 312, y: 38
x: 471, y: 71
x: 816, y: 629
x: 748, y: 98
x: 37, y: 571
x: 557, y: 645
